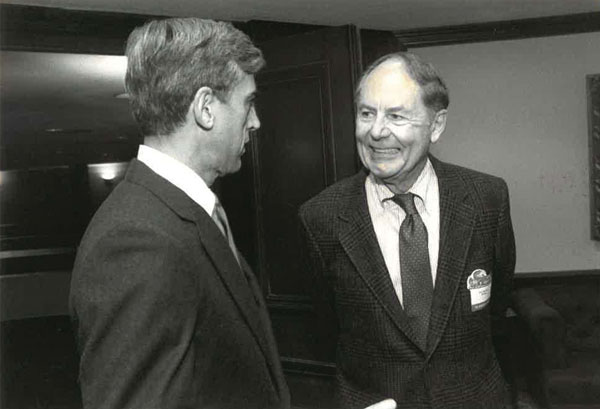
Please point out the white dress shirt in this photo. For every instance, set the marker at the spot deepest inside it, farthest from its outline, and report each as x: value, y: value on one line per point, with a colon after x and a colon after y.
x: 387, y: 216
x: 179, y: 175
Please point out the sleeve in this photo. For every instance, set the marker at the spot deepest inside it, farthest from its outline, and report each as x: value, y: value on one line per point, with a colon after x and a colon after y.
x: 321, y: 292
x: 502, y: 289
x: 134, y: 300
x: 504, y: 260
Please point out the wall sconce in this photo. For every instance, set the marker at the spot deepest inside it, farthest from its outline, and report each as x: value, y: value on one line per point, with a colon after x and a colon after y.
x: 108, y: 172
x: 108, y: 175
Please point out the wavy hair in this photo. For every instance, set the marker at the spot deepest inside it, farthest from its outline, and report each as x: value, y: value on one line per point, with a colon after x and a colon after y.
x: 169, y: 60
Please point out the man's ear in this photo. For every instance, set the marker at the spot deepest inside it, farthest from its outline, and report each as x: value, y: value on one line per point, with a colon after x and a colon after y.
x: 203, y: 107
x: 438, y: 125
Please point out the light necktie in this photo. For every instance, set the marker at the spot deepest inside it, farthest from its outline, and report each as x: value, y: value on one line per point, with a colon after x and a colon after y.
x: 415, y: 270
x: 220, y: 218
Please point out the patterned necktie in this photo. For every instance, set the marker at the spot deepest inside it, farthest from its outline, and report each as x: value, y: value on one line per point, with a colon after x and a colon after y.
x: 220, y: 218
x: 415, y: 270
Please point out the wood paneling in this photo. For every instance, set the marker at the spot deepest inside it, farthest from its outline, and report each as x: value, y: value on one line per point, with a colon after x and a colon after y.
x: 293, y: 157
x: 34, y: 295
x: 93, y: 32
x: 305, y: 143
x: 44, y: 212
x: 39, y: 364
x: 500, y: 30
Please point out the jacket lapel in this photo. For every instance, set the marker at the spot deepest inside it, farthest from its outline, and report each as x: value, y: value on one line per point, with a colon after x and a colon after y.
x: 241, y: 291
x: 358, y: 239
x: 232, y: 276
x: 457, y: 219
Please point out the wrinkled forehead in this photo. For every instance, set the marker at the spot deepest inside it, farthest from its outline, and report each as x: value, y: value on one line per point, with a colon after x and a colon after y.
x: 389, y: 83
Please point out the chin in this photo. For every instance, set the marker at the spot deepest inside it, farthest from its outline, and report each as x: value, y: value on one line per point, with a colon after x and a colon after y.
x: 382, y: 169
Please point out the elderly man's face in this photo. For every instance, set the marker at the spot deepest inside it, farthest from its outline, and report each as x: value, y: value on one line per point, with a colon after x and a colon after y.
x: 393, y: 126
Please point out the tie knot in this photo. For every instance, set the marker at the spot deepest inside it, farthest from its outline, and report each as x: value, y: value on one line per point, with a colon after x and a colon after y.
x: 406, y: 202
x: 218, y: 208
x: 218, y: 215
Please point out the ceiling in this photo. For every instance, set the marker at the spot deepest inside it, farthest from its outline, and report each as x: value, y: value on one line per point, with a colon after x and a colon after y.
x: 374, y: 14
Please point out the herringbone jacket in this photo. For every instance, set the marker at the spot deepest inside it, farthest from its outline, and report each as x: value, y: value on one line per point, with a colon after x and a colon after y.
x: 377, y: 357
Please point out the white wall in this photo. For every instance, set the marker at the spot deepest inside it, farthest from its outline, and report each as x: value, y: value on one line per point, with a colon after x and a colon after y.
x: 518, y: 110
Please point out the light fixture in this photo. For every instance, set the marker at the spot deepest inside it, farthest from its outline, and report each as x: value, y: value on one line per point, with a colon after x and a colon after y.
x: 108, y: 172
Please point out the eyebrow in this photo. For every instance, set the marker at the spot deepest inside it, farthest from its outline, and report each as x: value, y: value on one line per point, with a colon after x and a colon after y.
x: 365, y: 106
x: 398, y: 108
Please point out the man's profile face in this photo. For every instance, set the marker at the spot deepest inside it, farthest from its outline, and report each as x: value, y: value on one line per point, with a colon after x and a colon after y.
x: 236, y: 118
x: 393, y: 126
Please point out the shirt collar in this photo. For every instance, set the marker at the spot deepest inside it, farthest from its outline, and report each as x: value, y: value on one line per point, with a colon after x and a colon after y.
x: 421, y: 188
x: 179, y: 175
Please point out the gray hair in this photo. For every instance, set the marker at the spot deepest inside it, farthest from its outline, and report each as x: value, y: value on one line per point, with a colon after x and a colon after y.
x: 169, y: 60
x: 434, y: 90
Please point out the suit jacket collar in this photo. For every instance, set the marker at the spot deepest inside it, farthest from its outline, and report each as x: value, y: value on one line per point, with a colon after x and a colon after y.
x: 358, y: 238
x: 245, y: 293
x: 457, y: 220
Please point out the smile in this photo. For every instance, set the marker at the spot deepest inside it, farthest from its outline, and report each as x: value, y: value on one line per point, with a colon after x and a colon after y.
x: 385, y: 151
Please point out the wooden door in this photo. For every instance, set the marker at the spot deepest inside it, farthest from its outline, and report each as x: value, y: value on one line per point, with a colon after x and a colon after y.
x: 305, y: 143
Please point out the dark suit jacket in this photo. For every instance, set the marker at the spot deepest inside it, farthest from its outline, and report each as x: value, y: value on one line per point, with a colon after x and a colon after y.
x: 377, y: 356
x: 164, y: 317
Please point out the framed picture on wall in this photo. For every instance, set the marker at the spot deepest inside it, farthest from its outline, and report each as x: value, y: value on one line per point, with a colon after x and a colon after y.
x: 593, y: 92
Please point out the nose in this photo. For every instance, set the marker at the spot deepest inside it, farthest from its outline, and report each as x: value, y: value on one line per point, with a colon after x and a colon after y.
x: 379, y: 129
x: 253, y: 121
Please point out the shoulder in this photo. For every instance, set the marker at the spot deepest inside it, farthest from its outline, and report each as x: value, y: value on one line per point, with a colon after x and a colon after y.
x: 319, y: 215
x: 131, y: 211
x: 471, y: 178
x: 134, y: 241
x: 333, y: 198
x: 478, y: 178
x: 485, y: 191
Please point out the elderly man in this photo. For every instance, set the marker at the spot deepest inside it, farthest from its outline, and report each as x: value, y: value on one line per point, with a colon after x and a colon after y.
x: 167, y: 313
x: 414, y: 257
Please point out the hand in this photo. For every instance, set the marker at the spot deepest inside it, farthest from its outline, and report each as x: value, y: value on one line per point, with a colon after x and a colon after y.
x: 384, y: 404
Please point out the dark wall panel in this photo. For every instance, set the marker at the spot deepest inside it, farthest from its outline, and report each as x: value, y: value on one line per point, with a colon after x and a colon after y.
x: 293, y: 162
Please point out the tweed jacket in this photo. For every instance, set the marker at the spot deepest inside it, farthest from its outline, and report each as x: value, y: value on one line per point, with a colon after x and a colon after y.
x: 377, y: 356
x: 164, y: 316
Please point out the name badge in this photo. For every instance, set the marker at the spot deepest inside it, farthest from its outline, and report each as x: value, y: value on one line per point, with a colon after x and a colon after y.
x: 479, y: 284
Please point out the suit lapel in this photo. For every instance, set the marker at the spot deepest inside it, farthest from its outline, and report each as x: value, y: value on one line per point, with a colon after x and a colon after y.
x: 358, y: 239
x: 241, y: 291
x: 457, y: 219
x: 232, y: 276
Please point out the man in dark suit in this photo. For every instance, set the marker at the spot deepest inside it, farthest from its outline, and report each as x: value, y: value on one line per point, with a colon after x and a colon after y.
x: 167, y: 313
x: 414, y: 257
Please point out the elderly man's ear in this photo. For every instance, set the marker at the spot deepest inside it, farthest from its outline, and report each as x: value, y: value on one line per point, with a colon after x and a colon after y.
x: 203, y: 108
x: 438, y: 125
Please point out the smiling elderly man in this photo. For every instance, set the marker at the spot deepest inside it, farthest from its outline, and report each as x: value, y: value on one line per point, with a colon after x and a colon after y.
x: 413, y: 257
